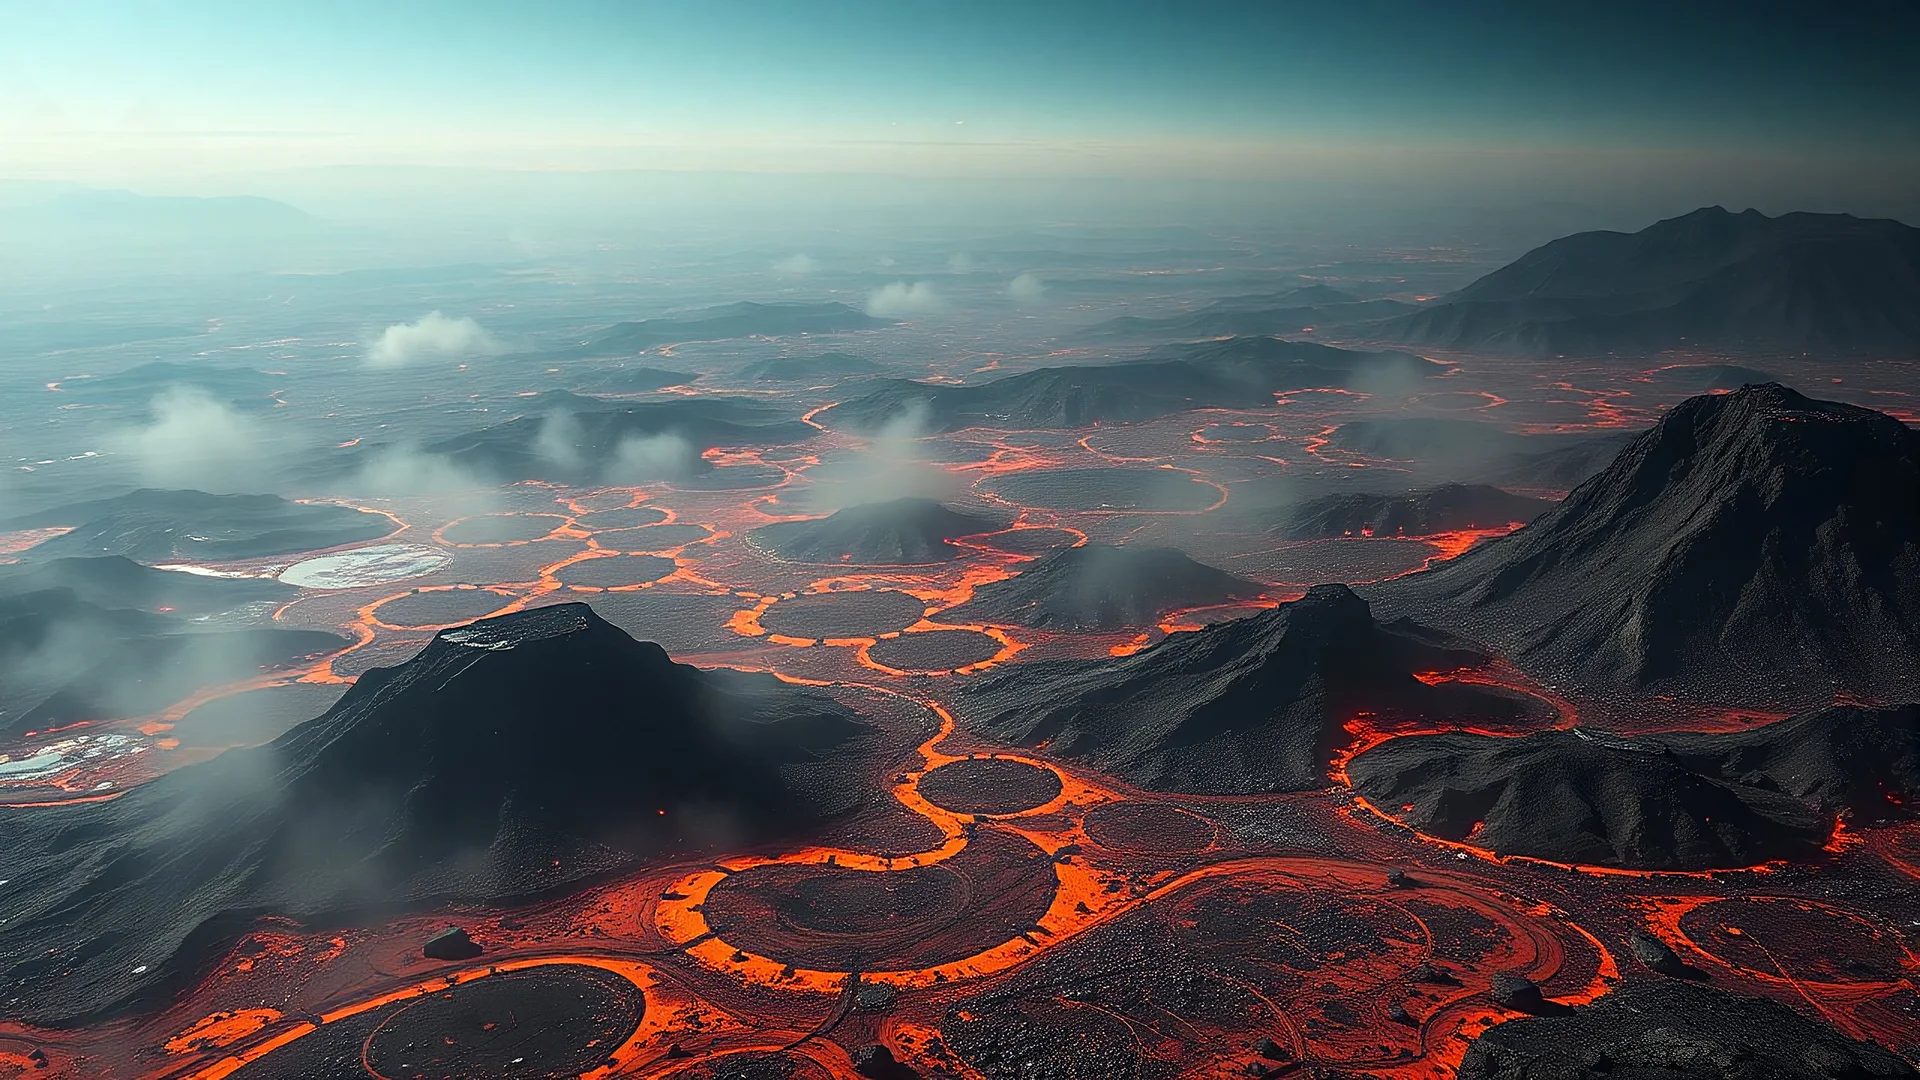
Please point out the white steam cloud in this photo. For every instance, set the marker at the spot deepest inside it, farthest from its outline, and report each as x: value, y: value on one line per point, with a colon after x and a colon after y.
x: 801, y: 263
x: 642, y: 458
x: 193, y: 441
x: 558, y: 442
x: 960, y: 262
x: 1027, y: 289
x: 407, y: 471
x: 433, y: 337
x: 903, y: 301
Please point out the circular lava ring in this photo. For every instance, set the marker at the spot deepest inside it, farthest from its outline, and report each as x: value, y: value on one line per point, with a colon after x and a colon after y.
x: 934, y: 652
x: 430, y: 609
x: 989, y: 786
x: 867, y: 613
x: 624, y: 517
x: 1150, y: 828
x: 499, y: 530
x: 552, y: 1020
x: 614, y: 571
x: 1037, y: 540
x: 1235, y: 431
x: 1800, y: 941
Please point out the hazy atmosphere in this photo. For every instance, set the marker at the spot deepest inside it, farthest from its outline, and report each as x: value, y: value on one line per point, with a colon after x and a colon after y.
x: 815, y: 541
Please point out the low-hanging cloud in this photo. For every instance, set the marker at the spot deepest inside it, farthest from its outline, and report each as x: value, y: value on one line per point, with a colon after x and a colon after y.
x: 432, y: 337
x: 408, y: 471
x: 558, y: 441
x: 801, y: 263
x: 960, y: 263
x: 1027, y: 289
x: 900, y: 300
x: 639, y: 459
x: 193, y: 441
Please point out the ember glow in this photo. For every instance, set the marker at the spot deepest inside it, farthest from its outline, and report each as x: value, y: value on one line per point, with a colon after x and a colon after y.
x: 838, y: 552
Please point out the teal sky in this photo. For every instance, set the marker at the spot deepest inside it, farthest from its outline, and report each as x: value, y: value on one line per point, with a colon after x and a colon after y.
x: 91, y: 86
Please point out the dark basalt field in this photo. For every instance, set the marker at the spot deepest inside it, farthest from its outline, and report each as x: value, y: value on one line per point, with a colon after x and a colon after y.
x: 844, y: 614
x: 1112, y: 490
x: 935, y: 650
x: 905, y: 699
x: 614, y: 571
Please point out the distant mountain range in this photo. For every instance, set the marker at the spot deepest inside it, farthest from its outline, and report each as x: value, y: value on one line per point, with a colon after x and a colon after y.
x: 1798, y: 283
x: 1757, y: 548
x: 1242, y: 372
x: 744, y: 319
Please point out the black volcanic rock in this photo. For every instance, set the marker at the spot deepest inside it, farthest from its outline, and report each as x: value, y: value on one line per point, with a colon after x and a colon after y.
x: 1668, y: 1030
x: 825, y: 367
x: 1822, y: 283
x: 1582, y: 797
x: 510, y: 757
x: 1240, y: 372
x: 1448, y: 508
x: 1753, y: 548
x: 901, y: 532
x: 744, y: 319
x: 1101, y: 587
x: 1519, y: 993
x: 114, y: 581
x: 453, y: 943
x: 152, y: 525
x: 1658, y: 956
x: 1252, y: 705
x: 569, y: 439
x: 1682, y: 800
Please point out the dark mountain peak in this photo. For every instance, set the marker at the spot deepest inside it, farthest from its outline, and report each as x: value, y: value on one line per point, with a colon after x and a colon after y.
x: 1102, y: 586
x: 576, y: 621
x: 1709, y: 279
x: 904, y: 531
x: 508, y: 758
x: 1758, y: 547
x: 1255, y: 704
